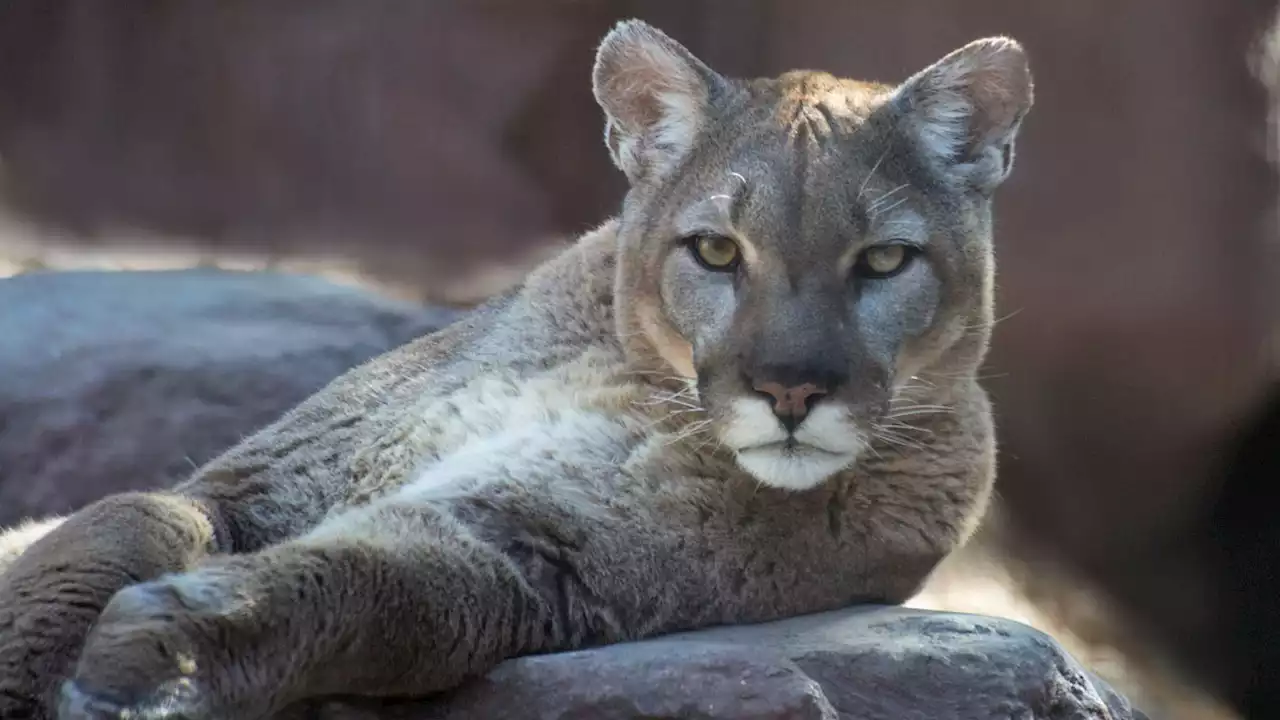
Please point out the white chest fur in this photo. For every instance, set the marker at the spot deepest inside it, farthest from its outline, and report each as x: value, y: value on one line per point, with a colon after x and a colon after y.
x: 505, y: 425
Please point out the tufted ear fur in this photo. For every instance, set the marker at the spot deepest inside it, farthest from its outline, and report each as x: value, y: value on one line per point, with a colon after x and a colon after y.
x: 655, y: 97
x: 964, y: 111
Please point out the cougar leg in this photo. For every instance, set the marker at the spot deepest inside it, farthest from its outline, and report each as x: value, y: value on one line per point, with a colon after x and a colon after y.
x: 51, y: 594
x: 399, y: 600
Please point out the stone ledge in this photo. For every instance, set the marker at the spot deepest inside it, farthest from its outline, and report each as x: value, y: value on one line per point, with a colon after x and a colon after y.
x: 864, y: 663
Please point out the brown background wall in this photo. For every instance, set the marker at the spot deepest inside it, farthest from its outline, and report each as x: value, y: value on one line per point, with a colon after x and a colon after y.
x: 426, y: 137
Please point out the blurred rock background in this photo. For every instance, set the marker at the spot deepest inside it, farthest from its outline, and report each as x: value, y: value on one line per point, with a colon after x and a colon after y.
x: 434, y: 151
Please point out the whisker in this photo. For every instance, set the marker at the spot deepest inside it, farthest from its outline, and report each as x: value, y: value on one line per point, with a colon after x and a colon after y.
x: 906, y: 427
x: 871, y: 208
x: 918, y: 413
x: 671, y: 400
x: 989, y: 325
x: 1006, y: 316
x: 689, y: 431
x: 685, y: 393
x: 872, y: 173
x: 879, y: 211
x: 903, y: 398
x: 913, y: 412
x: 991, y: 376
x: 711, y: 439
x: 897, y: 440
x: 949, y: 376
x: 902, y: 440
x: 664, y: 421
x: 920, y: 406
x: 691, y: 382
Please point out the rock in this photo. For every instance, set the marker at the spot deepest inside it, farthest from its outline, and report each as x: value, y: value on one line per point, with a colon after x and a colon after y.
x: 111, y: 381
x: 863, y: 663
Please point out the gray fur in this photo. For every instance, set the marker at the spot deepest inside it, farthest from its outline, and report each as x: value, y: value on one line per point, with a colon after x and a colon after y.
x: 566, y: 467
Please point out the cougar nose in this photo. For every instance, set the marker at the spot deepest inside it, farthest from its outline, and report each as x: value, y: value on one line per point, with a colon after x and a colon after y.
x: 792, y: 403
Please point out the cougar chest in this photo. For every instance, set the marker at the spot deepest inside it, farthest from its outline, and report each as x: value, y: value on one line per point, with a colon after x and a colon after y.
x: 504, y: 417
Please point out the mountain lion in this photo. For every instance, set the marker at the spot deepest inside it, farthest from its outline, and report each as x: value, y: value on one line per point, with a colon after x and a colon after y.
x: 751, y: 395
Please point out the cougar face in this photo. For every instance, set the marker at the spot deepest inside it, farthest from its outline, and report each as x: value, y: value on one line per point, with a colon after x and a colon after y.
x: 800, y: 246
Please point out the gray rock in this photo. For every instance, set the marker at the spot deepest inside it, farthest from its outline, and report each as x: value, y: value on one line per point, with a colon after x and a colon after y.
x: 864, y: 663
x: 112, y: 381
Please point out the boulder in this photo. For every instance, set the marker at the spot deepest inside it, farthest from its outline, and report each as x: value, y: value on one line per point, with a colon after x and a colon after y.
x: 863, y: 663
x: 113, y: 381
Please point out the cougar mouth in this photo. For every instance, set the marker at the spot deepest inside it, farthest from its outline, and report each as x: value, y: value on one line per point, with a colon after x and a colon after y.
x: 791, y: 465
x: 791, y: 447
x: 827, y: 442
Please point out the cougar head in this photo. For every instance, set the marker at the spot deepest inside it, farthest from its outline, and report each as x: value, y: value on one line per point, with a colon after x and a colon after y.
x: 798, y: 247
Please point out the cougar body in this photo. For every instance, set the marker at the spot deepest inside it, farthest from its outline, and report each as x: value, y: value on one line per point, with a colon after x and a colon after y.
x: 750, y: 395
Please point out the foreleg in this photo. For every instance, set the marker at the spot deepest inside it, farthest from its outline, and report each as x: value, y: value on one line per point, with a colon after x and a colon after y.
x: 393, y: 600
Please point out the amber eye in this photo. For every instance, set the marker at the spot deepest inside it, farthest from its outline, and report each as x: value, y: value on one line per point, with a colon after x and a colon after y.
x: 716, y: 252
x: 882, y: 261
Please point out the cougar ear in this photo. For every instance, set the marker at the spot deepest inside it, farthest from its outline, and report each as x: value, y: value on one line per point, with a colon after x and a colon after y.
x: 964, y: 111
x: 655, y: 95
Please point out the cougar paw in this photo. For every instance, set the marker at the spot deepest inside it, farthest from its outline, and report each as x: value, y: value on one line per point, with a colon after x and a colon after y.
x: 141, y: 661
x: 173, y: 700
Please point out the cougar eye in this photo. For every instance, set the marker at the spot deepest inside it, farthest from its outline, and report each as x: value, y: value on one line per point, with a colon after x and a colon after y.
x: 882, y: 261
x: 715, y: 252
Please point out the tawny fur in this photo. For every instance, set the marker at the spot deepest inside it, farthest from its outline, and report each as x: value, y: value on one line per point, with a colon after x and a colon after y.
x: 566, y: 466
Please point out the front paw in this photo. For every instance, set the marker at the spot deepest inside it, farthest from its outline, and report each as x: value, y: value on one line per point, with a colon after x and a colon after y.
x: 178, y: 700
x: 148, y: 658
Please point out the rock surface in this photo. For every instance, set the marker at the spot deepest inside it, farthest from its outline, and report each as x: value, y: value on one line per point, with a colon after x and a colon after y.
x: 112, y: 381
x: 865, y: 663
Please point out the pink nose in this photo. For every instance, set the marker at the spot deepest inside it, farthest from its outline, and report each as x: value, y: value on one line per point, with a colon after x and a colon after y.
x: 790, y: 403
